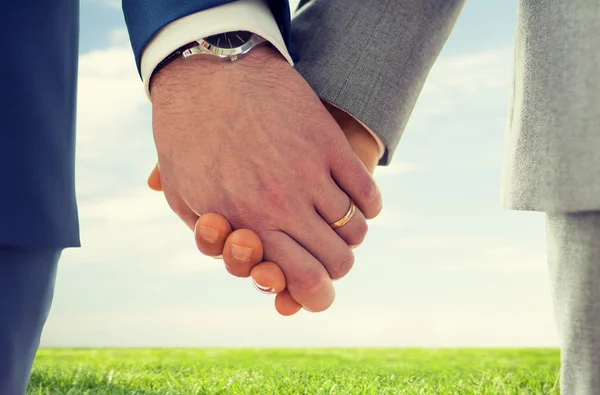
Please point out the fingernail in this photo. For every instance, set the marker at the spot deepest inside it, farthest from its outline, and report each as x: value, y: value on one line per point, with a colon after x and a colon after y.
x: 241, y: 253
x: 219, y: 257
x: 263, y: 289
x: 209, y: 234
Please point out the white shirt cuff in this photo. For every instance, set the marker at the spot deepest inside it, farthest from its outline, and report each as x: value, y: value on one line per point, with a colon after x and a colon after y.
x: 250, y: 15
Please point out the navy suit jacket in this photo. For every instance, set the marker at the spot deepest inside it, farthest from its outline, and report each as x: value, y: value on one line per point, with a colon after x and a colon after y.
x: 38, y: 82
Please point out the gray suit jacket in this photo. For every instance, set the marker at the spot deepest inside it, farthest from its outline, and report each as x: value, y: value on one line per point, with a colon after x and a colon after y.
x: 371, y: 58
x: 552, y: 151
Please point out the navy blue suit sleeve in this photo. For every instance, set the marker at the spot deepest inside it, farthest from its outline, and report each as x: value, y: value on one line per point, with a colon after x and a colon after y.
x: 145, y: 18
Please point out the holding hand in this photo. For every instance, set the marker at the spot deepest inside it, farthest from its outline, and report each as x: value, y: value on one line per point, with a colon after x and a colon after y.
x: 219, y: 239
x: 251, y: 140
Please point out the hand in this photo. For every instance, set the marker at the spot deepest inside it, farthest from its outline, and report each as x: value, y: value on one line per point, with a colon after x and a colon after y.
x: 232, y: 139
x: 267, y: 276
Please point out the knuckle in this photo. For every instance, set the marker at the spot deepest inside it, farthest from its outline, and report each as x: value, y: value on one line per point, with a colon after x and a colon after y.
x: 310, y: 282
x: 370, y: 198
x: 343, y: 265
x: 358, y: 234
x: 368, y: 191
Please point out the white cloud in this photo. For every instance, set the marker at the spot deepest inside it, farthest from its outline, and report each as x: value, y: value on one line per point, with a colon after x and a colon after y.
x: 113, y: 132
x: 483, y: 256
x: 115, y: 4
x: 120, y: 216
x: 472, y: 74
x: 454, y: 80
x: 221, y: 328
x: 438, y: 242
x: 119, y: 38
x: 397, y: 168
x: 460, y: 117
x: 389, y: 218
x: 142, y: 205
x: 139, y: 280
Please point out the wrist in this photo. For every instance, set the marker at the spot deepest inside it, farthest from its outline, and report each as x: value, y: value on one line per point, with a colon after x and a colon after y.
x: 181, y: 72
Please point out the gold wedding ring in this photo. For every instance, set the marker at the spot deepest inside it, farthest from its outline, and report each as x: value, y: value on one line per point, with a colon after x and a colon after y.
x: 346, y: 218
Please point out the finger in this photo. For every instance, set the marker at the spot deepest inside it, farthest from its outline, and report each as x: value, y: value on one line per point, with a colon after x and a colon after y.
x: 307, y: 280
x: 333, y: 206
x: 285, y: 304
x: 317, y: 237
x: 354, y: 179
x: 242, y: 251
x: 154, y: 179
x: 360, y: 139
x: 363, y: 145
x: 268, y: 278
x: 211, y: 231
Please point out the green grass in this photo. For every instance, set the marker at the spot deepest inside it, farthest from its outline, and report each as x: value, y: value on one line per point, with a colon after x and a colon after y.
x: 290, y: 371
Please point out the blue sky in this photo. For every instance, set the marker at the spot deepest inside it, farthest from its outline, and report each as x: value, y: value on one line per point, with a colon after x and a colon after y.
x: 442, y: 266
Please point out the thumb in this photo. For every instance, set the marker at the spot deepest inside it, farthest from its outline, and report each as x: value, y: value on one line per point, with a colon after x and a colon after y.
x: 360, y: 139
x: 154, y: 179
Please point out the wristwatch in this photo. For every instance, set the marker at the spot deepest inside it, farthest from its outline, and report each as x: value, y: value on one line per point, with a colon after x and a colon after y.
x: 223, y: 46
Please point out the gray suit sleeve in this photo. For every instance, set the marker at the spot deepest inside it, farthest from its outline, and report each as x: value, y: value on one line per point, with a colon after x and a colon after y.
x: 371, y: 57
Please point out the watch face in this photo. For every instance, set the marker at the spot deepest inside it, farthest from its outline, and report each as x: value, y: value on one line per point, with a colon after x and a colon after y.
x: 229, y: 39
